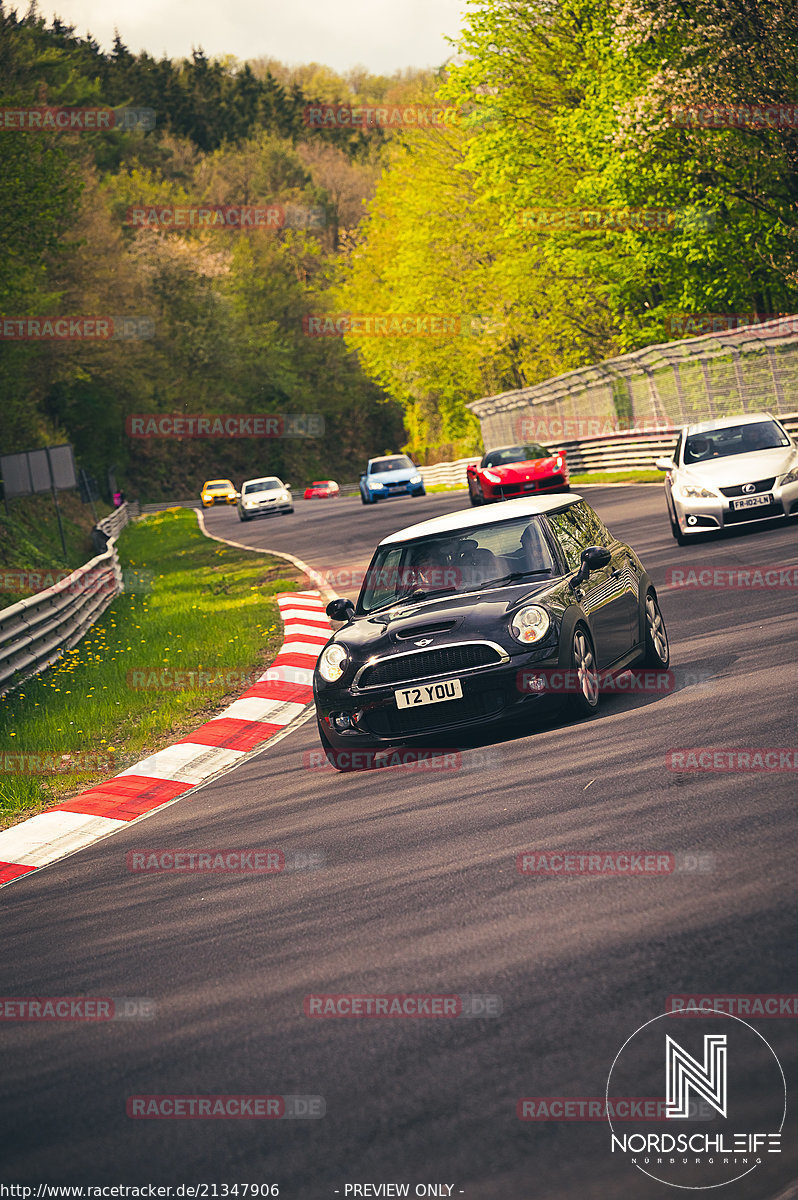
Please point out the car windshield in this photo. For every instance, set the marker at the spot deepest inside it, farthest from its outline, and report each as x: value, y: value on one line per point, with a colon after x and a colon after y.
x: 487, y: 555
x: 733, y: 439
x: 381, y: 466
x: 262, y: 485
x: 514, y: 454
x: 219, y: 483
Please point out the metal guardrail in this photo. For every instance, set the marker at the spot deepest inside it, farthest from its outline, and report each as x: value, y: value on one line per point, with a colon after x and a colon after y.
x: 448, y: 474
x: 35, y: 632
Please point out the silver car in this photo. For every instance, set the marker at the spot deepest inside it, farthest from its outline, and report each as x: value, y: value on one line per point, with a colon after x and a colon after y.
x: 260, y: 497
x: 730, y: 471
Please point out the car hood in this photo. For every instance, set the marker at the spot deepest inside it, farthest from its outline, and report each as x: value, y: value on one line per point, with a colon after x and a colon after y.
x: 393, y: 476
x: 526, y: 470
x: 743, y: 468
x: 457, y: 618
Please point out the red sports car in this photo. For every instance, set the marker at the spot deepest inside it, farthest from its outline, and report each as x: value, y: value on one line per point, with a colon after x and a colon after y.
x: 322, y: 489
x: 513, y: 471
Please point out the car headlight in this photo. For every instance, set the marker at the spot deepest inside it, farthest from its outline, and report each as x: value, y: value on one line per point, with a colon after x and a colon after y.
x: 493, y: 478
x: 373, y: 484
x: 791, y: 476
x: 416, y: 479
x: 332, y: 662
x: 691, y: 491
x: 530, y: 624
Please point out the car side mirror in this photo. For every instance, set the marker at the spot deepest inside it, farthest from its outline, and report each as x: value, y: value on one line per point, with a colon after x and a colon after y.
x: 593, y: 558
x: 664, y: 464
x: 287, y: 487
x: 340, y: 609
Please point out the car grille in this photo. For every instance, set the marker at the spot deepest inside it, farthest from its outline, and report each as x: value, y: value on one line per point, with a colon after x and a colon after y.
x: 753, y: 514
x: 762, y: 485
x: 506, y: 490
x: 443, y: 661
x: 390, y: 722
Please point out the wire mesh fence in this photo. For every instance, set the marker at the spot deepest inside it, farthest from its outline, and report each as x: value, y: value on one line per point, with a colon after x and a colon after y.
x: 749, y: 369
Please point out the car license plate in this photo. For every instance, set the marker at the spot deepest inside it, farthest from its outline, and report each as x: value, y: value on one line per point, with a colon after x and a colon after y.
x: 530, y: 487
x: 429, y: 693
x: 753, y: 501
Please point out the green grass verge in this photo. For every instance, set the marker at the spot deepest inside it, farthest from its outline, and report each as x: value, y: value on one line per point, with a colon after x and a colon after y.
x: 30, y: 541
x: 618, y: 477
x: 203, y: 607
x: 587, y: 477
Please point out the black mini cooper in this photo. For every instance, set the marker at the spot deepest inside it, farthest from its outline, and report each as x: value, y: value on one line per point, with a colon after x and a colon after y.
x: 479, y: 617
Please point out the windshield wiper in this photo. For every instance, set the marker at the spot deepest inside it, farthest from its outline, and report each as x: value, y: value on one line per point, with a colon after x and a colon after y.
x: 410, y: 598
x: 512, y: 577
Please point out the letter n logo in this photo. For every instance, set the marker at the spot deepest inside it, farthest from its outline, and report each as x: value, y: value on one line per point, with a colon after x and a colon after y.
x: 684, y: 1072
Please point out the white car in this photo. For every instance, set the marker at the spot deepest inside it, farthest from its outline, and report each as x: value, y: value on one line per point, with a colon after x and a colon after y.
x: 260, y: 497
x: 730, y: 471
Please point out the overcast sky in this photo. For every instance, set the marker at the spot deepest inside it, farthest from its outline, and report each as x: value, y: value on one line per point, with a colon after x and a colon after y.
x: 381, y: 35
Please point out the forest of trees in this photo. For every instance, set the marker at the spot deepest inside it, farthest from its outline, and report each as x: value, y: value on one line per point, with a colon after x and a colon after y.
x: 564, y: 107
x: 224, y: 307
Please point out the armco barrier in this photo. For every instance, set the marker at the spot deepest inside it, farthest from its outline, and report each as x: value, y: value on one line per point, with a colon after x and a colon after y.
x: 35, y: 632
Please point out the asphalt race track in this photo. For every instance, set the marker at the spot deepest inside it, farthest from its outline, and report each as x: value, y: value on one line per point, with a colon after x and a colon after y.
x: 418, y: 892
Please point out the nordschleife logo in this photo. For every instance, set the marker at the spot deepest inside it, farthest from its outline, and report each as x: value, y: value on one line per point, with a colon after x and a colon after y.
x: 724, y: 1097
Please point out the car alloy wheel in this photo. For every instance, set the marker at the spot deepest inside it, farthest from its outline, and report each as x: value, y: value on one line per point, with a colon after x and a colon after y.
x: 585, y: 699
x: 657, y: 653
x: 475, y: 497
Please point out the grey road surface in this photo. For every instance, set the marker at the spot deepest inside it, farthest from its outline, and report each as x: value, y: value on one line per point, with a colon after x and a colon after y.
x: 416, y: 891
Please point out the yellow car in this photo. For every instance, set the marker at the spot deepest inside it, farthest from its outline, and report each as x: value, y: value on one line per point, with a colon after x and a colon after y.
x: 218, y: 491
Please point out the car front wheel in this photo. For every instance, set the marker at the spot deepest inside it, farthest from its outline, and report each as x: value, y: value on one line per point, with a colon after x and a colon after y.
x: 475, y: 496
x: 585, y: 700
x: 657, y: 650
x: 681, y: 540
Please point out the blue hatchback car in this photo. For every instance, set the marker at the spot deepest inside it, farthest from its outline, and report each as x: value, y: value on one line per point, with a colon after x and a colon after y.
x: 394, y: 475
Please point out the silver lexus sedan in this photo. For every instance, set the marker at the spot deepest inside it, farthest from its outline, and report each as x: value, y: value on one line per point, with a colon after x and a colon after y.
x: 729, y: 471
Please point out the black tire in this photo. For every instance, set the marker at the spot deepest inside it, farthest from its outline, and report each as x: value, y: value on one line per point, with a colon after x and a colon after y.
x: 584, y: 701
x: 363, y: 499
x: 242, y: 519
x: 676, y: 532
x: 475, y: 499
x: 657, y: 649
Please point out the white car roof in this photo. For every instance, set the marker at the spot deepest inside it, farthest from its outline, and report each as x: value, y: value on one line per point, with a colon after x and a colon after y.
x: 727, y: 422
x: 467, y: 518
x: 263, y: 479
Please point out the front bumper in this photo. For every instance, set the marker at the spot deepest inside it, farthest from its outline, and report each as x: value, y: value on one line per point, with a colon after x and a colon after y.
x: 699, y: 514
x: 492, y: 694
x: 385, y: 492
x: 265, y: 510
x: 210, y: 501
x: 534, y: 487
